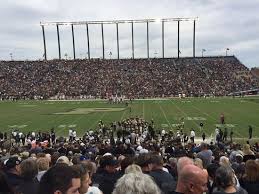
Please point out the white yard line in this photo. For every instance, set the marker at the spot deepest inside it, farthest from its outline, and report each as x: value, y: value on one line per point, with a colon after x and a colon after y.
x: 162, y: 110
x: 211, y: 117
x: 96, y: 122
x: 124, y: 111
x: 183, y: 113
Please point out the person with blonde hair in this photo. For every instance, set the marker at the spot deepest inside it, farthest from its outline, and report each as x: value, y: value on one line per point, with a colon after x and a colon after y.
x: 136, y: 183
x: 63, y: 160
x: 43, y: 166
x: 248, y: 153
x: 224, y: 161
x: 247, y: 150
x: 198, y: 162
x: 250, y: 180
x: 133, y: 168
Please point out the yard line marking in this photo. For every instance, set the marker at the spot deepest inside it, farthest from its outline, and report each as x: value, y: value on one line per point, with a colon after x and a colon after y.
x: 123, y: 114
x: 6, y: 122
x: 198, y: 127
x: 18, y: 118
x: 210, y: 117
x: 18, y: 126
x: 162, y: 110
x: 96, y: 122
x: 61, y: 120
x: 74, y: 122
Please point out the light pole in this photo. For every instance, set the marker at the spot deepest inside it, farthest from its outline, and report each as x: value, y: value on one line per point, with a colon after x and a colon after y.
x: 11, y: 56
x: 110, y: 53
x: 202, y: 51
x: 227, y: 49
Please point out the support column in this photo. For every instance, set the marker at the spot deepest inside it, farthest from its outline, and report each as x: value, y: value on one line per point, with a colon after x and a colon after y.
x: 132, y: 40
x: 147, y: 41
x: 44, y: 42
x: 178, y: 41
x: 103, y: 41
x: 73, y: 38
x: 59, y: 50
x: 118, y: 46
x: 194, y: 28
x: 88, y: 42
x: 163, y: 39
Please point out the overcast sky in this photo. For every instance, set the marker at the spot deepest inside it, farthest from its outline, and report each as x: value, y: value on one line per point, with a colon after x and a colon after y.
x: 221, y: 24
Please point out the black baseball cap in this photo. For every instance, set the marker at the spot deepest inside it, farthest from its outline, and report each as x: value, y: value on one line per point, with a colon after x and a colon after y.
x: 108, y: 161
x: 12, y: 162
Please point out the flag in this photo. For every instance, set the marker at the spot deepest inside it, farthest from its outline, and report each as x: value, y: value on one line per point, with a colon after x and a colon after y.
x: 203, y: 50
x: 227, y: 49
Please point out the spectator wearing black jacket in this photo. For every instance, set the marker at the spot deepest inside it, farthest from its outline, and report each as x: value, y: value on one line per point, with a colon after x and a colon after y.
x: 13, y: 172
x: 107, y: 175
x: 4, y: 186
x: 163, y: 179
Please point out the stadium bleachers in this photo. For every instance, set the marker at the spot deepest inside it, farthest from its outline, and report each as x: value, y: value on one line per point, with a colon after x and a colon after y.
x: 156, y: 77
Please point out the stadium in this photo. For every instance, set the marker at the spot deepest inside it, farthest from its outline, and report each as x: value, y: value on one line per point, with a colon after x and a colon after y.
x: 78, y: 93
x: 206, y: 84
x: 156, y: 123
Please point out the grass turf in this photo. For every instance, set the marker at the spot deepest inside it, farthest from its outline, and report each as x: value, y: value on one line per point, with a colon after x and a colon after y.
x: 166, y: 113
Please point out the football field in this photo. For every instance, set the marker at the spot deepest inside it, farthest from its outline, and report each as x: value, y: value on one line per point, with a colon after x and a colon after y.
x: 166, y: 113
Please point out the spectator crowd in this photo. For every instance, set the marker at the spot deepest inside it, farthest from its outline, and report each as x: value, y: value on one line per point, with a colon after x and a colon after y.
x: 138, y: 78
x: 128, y: 157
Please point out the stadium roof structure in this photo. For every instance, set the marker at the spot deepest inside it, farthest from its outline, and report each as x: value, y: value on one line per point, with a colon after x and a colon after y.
x: 117, y: 22
x: 120, y: 21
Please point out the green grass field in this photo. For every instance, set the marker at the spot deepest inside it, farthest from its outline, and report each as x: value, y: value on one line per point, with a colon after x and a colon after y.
x: 166, y: 113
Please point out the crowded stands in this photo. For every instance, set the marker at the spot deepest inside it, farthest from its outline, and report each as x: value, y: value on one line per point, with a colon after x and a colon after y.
x: 128, y: 157
x: 138, y: 78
